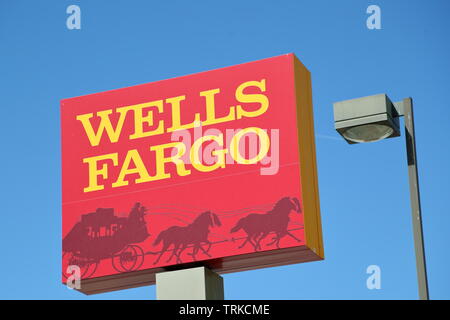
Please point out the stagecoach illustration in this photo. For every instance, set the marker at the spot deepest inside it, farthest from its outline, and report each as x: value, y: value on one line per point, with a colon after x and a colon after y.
x: 103, y: 235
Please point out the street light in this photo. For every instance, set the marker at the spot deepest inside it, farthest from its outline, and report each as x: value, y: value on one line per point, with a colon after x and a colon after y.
x: 375, y: 118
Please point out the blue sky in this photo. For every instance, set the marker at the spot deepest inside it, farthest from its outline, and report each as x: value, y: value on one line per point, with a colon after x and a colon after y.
x: 363, y: 188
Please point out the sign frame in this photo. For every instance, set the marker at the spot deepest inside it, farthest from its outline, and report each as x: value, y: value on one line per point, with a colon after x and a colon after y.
x: 298, y: 82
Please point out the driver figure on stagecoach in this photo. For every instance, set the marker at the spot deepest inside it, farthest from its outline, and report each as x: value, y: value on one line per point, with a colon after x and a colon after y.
x: 137, y: 213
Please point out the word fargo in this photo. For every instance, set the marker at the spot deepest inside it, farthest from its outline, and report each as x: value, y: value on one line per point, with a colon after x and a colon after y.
x: 213, y: 169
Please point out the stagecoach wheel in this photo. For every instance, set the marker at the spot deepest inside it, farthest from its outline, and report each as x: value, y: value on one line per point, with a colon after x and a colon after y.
x: 115, y: 261
x: 126, y: 260
x: 87, y: 266
x: 140, y: 257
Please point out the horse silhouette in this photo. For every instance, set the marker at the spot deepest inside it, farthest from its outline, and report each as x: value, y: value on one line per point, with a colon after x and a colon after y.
x: 193, y: 234
x: 258, y: 226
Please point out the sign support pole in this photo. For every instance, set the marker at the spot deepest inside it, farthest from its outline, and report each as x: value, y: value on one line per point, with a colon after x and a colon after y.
x: 189, y: 284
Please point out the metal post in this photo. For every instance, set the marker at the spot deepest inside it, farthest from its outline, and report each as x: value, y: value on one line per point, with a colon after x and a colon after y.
x: 189, y: 284
x: 415, y: 198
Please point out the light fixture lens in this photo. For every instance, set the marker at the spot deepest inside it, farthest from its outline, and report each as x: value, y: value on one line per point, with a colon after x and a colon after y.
x: 368, y: 133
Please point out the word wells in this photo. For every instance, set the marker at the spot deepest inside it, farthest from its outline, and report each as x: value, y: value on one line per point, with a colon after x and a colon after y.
x: 148, y: 129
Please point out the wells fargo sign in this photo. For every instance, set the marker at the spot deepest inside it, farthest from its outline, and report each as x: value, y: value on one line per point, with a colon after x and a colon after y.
x: 216, y: 169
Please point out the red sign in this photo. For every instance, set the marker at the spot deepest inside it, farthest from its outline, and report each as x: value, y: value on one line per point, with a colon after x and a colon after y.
x: 216, y: 169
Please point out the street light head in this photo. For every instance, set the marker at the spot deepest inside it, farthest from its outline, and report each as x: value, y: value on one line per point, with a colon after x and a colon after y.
x: 367, y: 133
x: 366, y: 119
